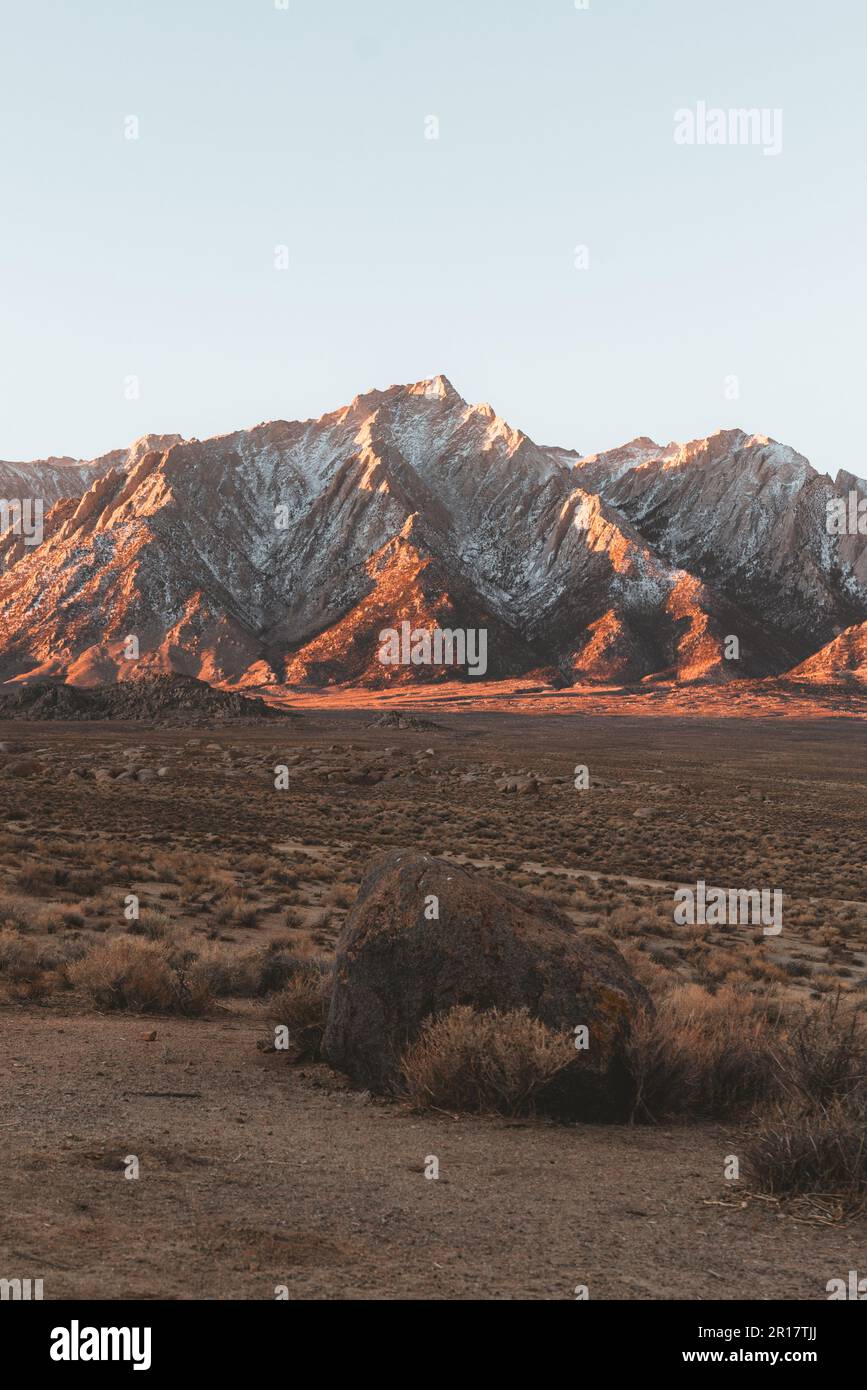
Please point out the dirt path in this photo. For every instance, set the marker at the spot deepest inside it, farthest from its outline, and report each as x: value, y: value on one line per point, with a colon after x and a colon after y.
x: 254, y: 1174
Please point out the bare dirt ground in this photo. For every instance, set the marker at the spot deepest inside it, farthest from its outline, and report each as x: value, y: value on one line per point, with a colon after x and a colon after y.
x: 255, y: 1173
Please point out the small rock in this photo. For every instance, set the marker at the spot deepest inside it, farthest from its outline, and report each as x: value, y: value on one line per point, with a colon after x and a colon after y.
x: 24, y: 767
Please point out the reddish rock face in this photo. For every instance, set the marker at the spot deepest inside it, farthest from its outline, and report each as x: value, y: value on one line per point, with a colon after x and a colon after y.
x: 845, y: 658
x: 491, y: 946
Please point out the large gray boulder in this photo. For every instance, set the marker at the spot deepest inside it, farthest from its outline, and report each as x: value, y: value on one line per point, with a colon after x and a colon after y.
x: 491, y: 947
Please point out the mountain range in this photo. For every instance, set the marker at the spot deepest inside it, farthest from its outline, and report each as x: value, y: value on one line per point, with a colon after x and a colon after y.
x: 277, y: 555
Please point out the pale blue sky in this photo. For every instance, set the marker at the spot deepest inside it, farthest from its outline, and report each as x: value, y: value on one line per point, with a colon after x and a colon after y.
x: 408, y: 257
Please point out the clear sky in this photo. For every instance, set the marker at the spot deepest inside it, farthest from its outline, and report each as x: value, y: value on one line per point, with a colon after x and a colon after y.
x: 305, y: 127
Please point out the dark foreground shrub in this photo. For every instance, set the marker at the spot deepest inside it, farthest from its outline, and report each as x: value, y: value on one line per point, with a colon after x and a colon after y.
x: 814, y: 1141
x: 301, y: 1007
x: 246, y: 975
x: 701, y: 1056
x: 825, y: 1055
x: 817, y: 1150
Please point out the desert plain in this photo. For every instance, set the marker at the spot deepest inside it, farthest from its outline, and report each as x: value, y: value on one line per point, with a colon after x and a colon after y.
x: 264, y: 1174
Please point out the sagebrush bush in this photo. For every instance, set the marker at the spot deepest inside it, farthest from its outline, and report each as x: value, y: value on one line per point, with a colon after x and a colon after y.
x: 825, y: 1055
x: 237, y: 911
x: 302, y: 1008
x: 133, y: 973
x: 247, y: 975
x: 153, y: 923
x: 814, y: 1140
x: 19, y: 957
x: 29, y: 970
x: 701, y: 1055
x: 49, y: 880
x: 491, y: 1062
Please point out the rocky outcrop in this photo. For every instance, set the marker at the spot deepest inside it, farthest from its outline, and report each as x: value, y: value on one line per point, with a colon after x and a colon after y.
x: 426, y: 935
x: 172, y: 698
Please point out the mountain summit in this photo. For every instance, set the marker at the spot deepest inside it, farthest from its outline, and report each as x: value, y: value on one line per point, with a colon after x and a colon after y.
x: 279, y: 553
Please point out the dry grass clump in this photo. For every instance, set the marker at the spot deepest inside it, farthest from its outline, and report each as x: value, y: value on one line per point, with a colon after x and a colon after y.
x: 814, y: 1141
x: 341, y: 895
x: 152, y: 923
x: 702, y: 1055
x: 52, y: 879
x: 484, y: 1063
x: 815, y: 1150
x: 18, y: 955
x: 40, y: 918
x: 132, y: 973
x: 236, y: 911
x: 301, y: 1007
x: 29, y: 970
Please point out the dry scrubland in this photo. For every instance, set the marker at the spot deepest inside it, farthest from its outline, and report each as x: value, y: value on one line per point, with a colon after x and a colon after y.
x: 154, y: 1037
